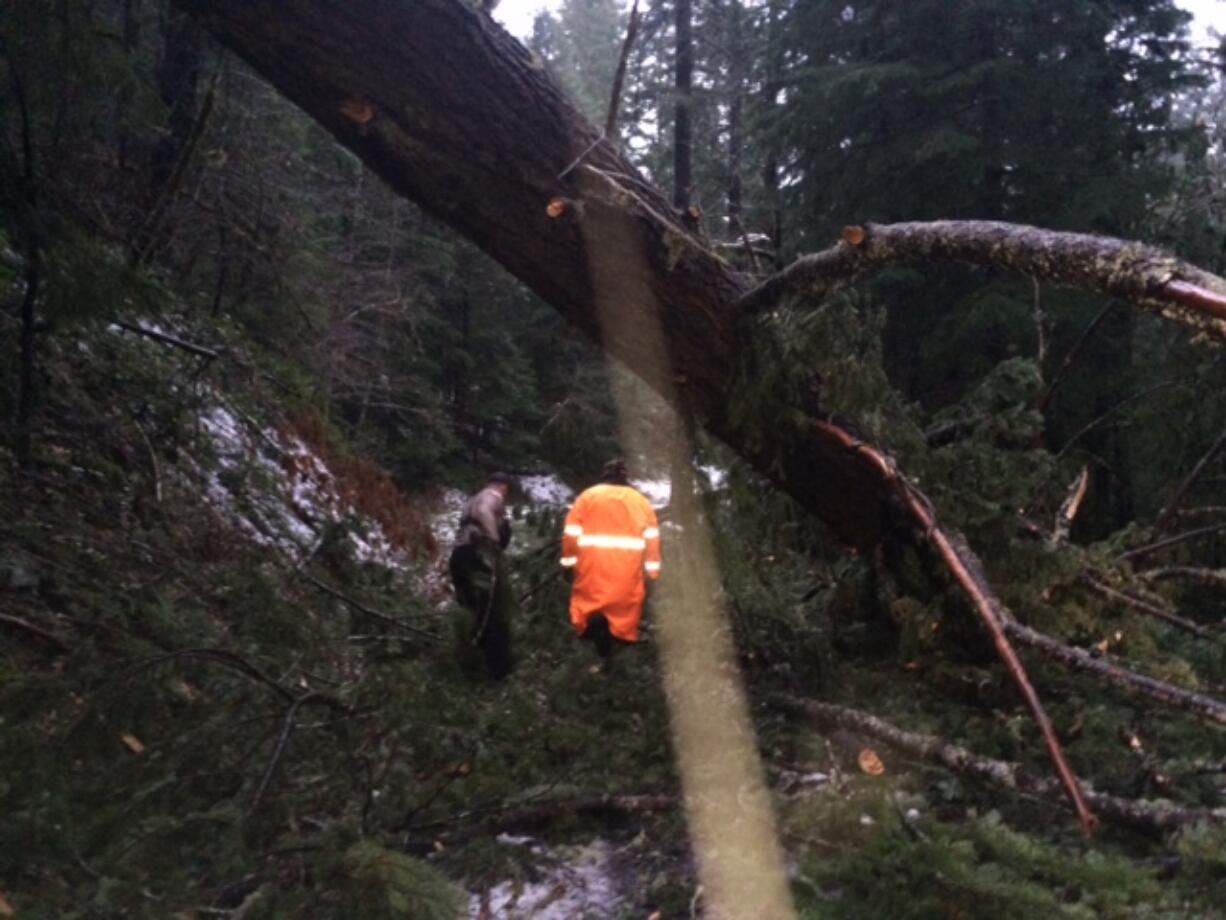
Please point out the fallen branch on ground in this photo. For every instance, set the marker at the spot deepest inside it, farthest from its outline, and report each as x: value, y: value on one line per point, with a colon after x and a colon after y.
x: 48, y: 637
x: 373, y: 614
x: 170, y: 340
x: 1150, y: 816
x: 1164, y: 517
x: 1093, y: 582
x: 1142, y: 551
x: 1079, y: 659
x: 287, y: 729
x: 237, y: 663
x: 1210, y: 578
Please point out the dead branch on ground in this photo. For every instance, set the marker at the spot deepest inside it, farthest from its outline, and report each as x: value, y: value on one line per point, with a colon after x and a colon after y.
x: 1210, y: 578
x: 967, y: 572
x: 1149, y: 816
x: 1094, y: 582
x: 287, y: 729
x: 1141, y: 552
x: 373, y: 614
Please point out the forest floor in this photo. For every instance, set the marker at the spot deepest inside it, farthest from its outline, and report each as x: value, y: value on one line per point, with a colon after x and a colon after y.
x: 198, y: 719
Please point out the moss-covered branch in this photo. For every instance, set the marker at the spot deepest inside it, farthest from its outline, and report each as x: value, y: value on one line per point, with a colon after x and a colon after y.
x: 1145, y: 275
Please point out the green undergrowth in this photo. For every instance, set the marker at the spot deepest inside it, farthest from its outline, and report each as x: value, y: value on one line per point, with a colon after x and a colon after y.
x: 190, y: 724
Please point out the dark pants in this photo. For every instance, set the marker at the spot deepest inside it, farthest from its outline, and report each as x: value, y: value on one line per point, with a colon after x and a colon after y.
x: 598, y: 631
x: 479, y: 578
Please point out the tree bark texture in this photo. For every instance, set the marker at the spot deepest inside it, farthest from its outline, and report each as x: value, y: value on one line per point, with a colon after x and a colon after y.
x: 1143, y: 274
x: 455, y: 114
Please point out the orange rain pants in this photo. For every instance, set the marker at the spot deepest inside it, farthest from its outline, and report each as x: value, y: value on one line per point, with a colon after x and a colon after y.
x: 612, y: 540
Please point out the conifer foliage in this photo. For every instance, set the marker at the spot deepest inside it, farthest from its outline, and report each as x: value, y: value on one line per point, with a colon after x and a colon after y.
x: 210, y: 708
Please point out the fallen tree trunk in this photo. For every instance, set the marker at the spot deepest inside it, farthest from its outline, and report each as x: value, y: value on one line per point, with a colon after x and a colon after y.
x: 456, y: 115
x: 1153, y: 817
x: 1079, y: 659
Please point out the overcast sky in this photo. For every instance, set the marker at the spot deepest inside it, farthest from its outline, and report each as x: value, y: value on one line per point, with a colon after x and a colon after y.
x: 517, y: 15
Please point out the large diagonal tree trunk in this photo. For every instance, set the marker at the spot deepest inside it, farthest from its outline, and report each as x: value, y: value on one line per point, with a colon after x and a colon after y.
x: 456, y: 115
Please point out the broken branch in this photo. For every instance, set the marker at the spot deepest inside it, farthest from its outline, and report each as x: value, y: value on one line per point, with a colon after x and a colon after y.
x: 1145, y: 607
x: 966, y: 570
x: 1153, y: 817
x: 168, y: 339
x: 1145, y: 275
x: 373, y: 614
x: 1079, y: 659
x: 1070, y: 507
x: 1164, y: 517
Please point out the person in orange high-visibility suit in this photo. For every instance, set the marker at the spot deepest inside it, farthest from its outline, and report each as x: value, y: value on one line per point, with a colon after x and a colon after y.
x: 611, y: 549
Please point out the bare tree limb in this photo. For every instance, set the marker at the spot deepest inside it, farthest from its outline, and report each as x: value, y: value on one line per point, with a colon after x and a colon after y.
x: 165, y: 339
x: 1040, y: 326
x: 1095, y: 583
x: 1213, y: 578
x: 1164, y: 517
x: 1152, y: 817
x: 1073, y: 354
x: 1143, y: 551
x: 373, y: 614
x: 237, y: 663
x: 1079, y: 659
x: 24, y: 624
x: 619, y: 77
x: 1151, y: 278
x: 287, y: 729
x: 967, y: 572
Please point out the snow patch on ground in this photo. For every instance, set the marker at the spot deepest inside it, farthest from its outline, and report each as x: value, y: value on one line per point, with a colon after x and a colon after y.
x: 277, y: 491
x: 549, y: 491
x: 579, y: 882
x: 657, y: 491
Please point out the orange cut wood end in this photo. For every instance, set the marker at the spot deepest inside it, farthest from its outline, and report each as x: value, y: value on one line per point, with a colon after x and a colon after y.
x: 855, y: 235
x: 556, y: 207
x: 358, y: 111
x: 870, y: 763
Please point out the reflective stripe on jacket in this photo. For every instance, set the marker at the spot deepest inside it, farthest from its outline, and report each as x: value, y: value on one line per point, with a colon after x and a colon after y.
x: 612, y: 540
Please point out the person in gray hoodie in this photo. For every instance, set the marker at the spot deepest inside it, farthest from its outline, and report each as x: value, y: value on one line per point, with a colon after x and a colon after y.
x: 478, y: 573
